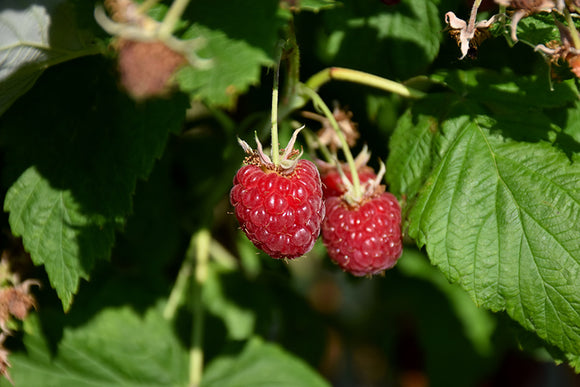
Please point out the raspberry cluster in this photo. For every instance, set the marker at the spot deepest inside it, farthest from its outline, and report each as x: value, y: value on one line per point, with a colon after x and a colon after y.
x: 282, y: 208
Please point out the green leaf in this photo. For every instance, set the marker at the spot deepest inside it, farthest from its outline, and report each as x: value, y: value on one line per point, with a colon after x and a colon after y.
x: 117, y: 347
x: 410, y: 155
x: 501, y: 218
x: 399, y: 41
x: 316, y: 5
x: 73, y: 165
x: 239, y: 42
x: 34, y: 36
x: 508, y: 89
x: 538, y: 29
x: 260, y: 364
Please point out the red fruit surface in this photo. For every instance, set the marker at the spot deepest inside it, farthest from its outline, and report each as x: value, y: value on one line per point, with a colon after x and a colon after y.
x: 366, y: 239
x: 332, y: 184
x: 280, y: 214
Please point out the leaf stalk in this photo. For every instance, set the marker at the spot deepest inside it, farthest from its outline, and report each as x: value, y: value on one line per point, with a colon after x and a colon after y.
x: 360, y: 77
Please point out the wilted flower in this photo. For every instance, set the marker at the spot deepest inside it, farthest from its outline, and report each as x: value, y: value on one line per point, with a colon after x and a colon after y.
x: 468, y: 35
x: 526, y: 8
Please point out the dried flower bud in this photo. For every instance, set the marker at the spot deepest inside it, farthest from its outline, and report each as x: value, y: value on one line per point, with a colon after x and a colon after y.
x: 328, y: 136
x: 146, y: 68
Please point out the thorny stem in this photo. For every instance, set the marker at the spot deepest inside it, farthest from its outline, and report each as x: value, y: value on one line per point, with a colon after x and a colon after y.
x: 172, y: 18
x: 343, y: 74
x: 319, y: 104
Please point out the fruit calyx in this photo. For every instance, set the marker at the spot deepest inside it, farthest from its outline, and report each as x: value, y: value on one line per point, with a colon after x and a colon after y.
x: 369, y: 189
x: 288, y: 160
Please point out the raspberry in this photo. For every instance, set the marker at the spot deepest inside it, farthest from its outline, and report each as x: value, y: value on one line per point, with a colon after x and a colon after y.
x: 365, y: 238
x: 332, y: 184
x: 280, y: 209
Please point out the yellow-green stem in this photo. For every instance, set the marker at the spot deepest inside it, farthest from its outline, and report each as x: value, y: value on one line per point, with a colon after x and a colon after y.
x: 360, y: 77
x: 274, y: 123
x: 319, y: 104
x: 293, y: 62
x: 573, y: 30
x: 201, y: 242
x: 172, y: 18
x: 146, y: 5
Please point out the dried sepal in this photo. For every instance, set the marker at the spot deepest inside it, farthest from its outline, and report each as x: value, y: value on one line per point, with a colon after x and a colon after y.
x: 4, y: 362
x: 468, y: 35
x: 565, y: 50
x: 288, y: 160
x: 16, y: 301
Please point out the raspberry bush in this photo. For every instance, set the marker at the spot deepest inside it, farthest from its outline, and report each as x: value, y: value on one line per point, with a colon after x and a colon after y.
x: 134, y: 223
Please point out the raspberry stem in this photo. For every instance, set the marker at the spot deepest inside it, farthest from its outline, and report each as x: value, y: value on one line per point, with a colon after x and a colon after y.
x: 274, y: 120
x: 195, y: 265
x: 172, y: 18
x: 201, y: 245
x: 321, y: 106
x: 572, y: 27
x: 146, y: 5
x: 343, y: 74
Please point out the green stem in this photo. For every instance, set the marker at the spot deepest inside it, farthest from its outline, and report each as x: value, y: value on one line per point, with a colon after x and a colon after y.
x: 222, y: 256
x: 319, y: 104
x: 274, y: 119
x: 178, y: 292
x: 572, y: 27
x: 172, y: 18
x: 195, y: 262
x: 201, y: 242
x: 343, y: 74
x: 292, y: 54
x: 146, y: 5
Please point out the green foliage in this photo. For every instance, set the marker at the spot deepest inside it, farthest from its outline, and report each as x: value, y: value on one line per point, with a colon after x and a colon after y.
x: 105, y: 351
x: 398, y: 41
x: 260, y: 364
x: 248, y: 31
x: 63, y: 199
x: 498, y: 216
x: 34, y: 36
x: 105, y: 193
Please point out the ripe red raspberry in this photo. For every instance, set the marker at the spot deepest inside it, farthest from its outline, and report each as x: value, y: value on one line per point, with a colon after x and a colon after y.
x: 279, y: 208
x: 332, y: 184
x: 365, y: 239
